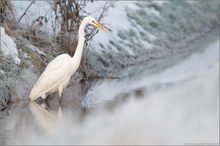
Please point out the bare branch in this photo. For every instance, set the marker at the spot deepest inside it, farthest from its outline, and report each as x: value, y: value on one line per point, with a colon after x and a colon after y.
x: 26, y: 11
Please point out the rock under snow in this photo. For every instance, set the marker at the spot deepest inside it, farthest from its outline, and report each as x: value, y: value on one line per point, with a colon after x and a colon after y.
x: 8, y: 46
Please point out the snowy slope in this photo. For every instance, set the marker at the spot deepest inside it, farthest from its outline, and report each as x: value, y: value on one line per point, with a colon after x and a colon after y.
x: 147, y: 30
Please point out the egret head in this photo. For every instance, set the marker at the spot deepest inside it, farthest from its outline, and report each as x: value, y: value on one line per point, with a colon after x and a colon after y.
x: 92, y: 21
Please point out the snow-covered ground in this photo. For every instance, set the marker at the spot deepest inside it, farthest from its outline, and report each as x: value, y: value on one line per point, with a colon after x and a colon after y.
x: 8, y: 46
x: 147, y: 30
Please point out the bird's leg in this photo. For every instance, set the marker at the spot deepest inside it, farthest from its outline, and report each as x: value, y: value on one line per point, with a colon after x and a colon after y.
x: 60, y: 89
x: 60, y: 99
x: 47, y: 102
x: 60, y: 115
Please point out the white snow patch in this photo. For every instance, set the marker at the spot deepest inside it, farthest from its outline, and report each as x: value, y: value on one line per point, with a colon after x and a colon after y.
x: 147, y: 45
x: 8, y: 46
x: 151, y: 36
x: 2, y: 30
x: 190, y: 1
x: 152, y: 11
x: 160, y: 3
x: 2, y: 72
x: 36, y: 49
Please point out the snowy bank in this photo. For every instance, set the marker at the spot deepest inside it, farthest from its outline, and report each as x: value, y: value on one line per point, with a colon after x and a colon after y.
x: 8, y: 46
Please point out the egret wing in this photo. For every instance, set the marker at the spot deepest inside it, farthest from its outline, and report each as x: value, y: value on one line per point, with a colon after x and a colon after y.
x: 56, y: 63
x: 55, y: 72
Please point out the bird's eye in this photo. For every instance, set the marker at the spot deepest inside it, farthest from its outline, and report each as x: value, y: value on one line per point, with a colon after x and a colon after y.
x: 93, y: 21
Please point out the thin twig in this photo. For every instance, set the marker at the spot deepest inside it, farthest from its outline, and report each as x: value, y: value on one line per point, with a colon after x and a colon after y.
x: 26, y: 11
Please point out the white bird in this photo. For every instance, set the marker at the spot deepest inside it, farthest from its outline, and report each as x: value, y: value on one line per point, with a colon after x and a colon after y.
x: 58, y: 72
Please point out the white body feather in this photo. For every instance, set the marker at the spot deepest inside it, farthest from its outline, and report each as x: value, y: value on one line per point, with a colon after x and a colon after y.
x: 55, y: 77
x: 58, y: 72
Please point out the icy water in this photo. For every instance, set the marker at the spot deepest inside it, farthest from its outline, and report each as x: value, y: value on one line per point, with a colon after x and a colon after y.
x: 174, y: 100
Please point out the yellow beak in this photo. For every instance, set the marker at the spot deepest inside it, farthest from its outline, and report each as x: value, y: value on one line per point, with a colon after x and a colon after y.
x: 100, y: 26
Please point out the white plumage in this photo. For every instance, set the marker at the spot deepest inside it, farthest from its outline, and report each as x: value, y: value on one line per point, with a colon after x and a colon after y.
x: 58, y: 72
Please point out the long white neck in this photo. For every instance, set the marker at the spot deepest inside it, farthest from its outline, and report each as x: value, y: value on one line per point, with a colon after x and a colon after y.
x: 79, y: 49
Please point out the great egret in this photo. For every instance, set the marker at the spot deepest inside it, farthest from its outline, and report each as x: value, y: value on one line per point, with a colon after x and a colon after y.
x: 58, y: 72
